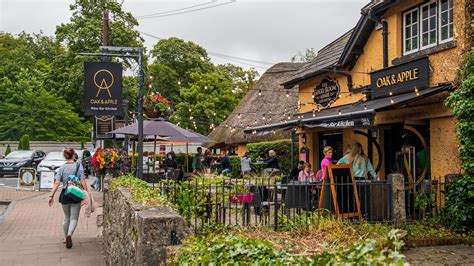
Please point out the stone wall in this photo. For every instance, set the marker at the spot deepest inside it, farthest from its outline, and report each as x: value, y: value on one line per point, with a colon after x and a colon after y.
x: 137, y: 235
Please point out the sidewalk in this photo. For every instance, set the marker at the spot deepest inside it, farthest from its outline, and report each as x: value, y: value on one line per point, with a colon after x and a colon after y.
x: 31, y: 233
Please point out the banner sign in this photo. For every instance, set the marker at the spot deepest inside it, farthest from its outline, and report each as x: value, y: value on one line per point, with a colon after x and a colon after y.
x: 326, y: 92
x: 400, y: 79
x: 103, y: 125
x: 46, y: 180
x: 26, y: 178
x: 347, y: 123
x: 103, y: 88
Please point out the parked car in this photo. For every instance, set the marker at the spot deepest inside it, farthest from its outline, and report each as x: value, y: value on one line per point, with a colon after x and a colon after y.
x: 85, y: 157
x: 52, y: 161
x: 15, y: 160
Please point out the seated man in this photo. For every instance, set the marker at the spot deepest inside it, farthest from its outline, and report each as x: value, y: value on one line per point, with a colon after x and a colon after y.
x: 272, y: 164
x: 226, y: 166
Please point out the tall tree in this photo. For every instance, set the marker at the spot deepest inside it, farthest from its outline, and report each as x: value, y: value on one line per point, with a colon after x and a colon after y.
x: 84, y: 34
x: 305, y: 57
x: 28, y: 108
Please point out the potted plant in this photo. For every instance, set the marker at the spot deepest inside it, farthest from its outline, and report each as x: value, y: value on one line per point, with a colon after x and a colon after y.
x: 156, y: 106
x: 109, y: 161
x: 241, y: 194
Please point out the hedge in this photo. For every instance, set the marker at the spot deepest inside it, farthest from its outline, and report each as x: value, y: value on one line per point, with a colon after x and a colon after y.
x: 282, y: 149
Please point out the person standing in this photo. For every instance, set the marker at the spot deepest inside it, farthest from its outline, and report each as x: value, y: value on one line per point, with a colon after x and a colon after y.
x: 328, y: 152
x: 245, y: 164
x: 198, y: 161
x: 361, y: 165
x: 71, y: 208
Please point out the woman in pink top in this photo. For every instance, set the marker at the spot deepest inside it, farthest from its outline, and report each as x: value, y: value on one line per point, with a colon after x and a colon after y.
x: 306, y: 175
x: 327, y: 151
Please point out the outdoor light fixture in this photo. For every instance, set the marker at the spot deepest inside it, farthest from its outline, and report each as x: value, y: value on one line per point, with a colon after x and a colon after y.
x: 303, y: 139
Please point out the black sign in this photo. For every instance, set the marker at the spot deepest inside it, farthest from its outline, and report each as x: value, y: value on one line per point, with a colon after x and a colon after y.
x: 102, y: 126
x: 400, y: 79
x: 347, y: 123
x: 326, y: 92
x: 103, y: 85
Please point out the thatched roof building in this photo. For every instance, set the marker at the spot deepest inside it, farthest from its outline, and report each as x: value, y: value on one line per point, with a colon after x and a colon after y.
x: 265, y: 103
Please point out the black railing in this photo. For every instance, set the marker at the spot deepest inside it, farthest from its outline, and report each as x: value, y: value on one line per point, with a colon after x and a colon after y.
x: 267, y: 202
x: 424, y: 200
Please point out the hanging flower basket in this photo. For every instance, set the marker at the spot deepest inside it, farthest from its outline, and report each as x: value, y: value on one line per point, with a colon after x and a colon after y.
x: 156, y: 106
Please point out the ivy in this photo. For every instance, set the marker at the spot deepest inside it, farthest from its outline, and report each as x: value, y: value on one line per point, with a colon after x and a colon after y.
x: 459, y: 205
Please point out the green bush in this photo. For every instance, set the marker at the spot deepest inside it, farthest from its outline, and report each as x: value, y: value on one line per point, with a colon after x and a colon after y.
x: 8, y: 150
x: 458, y: 213
x: 24, y: 143
x: 282, y: 149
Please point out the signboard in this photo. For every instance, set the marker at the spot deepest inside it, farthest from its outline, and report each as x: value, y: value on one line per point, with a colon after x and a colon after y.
x: 103, y: 88
x: 400, y: 79
x: 26, y: 178
x: 347, y: 123
x: 46, y: 179
x: 102, y: 125
x: 326, y: 92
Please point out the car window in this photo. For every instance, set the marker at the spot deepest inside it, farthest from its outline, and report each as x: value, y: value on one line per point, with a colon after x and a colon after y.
x: 55, y: 156
x: 19, y: 155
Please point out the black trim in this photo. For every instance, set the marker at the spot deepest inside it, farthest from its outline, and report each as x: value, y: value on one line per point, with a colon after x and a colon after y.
x: 423, y: 53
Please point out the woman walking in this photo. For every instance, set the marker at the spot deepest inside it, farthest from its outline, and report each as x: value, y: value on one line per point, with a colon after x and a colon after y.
x: 70, y: 172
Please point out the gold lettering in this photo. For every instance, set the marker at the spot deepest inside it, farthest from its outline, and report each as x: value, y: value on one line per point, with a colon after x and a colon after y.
x: 379, y: 83
x: 415, y: 73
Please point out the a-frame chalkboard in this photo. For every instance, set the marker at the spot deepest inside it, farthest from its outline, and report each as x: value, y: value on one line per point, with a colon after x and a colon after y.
x: 344, y: 193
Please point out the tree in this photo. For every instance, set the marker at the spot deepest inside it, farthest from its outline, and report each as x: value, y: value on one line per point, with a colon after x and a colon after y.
x: 84, y: 34
x: 30, y: 109
x: 242, y: 79
x: 8, y: 150
x: 24, y: 143
x: 210, y: 99
x: 308, y: 55
x: 174, y: 62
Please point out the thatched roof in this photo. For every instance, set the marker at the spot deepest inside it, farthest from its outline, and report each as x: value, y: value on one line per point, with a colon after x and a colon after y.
x: 272, y: 103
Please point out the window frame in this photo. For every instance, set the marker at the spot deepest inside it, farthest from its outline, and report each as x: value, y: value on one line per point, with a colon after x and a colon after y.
x: 404, y: 26
x: 436, y: 29
x: 440, y: 41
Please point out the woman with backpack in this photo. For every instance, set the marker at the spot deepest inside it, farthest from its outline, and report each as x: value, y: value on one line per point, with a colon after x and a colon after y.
x: 70, y: 175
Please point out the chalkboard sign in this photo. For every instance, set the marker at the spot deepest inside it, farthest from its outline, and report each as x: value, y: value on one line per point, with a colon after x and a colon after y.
x: 344, y: 193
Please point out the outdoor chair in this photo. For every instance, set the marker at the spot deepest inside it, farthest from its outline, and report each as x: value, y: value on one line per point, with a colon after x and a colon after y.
x: 261, y: 200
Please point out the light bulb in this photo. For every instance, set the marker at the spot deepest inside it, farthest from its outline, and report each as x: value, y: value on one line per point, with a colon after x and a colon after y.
x: 259, y: 92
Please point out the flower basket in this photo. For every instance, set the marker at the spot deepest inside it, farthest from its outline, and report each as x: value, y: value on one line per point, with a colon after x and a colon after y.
x: 151, y: 112
x: 241, y: 198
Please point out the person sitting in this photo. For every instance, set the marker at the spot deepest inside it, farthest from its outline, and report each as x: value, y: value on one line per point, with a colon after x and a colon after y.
x: 306, y: 175
x: 245, y: 164
x: 361, y: 165
x: 296, y: 171
x: 226, y: 166
x: 272, y: 164
x: 171, y: 161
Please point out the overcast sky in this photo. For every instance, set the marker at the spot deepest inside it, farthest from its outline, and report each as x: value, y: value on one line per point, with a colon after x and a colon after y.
x: 266, y: 31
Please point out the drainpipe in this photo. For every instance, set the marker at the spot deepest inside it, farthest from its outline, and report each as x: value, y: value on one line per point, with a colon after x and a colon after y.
x: 385, y: 42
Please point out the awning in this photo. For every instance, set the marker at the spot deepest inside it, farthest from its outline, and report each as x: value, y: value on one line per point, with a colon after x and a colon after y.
x: 357, y: 115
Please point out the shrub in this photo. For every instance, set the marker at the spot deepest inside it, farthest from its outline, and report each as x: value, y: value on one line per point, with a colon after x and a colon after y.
x: 282, y: 149
x: 24, y: 143
x: 141, y: 192
x: 8, y: 150
x: 459, y: 205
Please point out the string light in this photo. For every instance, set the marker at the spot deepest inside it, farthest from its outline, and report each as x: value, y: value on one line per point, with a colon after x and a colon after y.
x: 287, y: 94
x: 190, y: 110
x: 150, y: 86
x: 416, y: 91
x: 340, y: 112
x: 365, y: 106
x: 390, y: 93
x: 205, y: 87
x: 151, y: 77
x: 340, y: 95
x: 259, y: 92
x: 238, y: 116
x: 263, y: 117
x: 214, y: 114
x: 391, y: 101
x: 179, y: 82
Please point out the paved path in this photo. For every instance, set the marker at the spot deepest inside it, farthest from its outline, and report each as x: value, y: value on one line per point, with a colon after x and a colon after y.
x: 441, y: 255
x: 31, y: 233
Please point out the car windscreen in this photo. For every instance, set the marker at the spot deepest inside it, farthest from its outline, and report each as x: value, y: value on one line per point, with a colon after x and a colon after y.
x: 55, y: 156
x: 19, y: 155
x: 79, y: 154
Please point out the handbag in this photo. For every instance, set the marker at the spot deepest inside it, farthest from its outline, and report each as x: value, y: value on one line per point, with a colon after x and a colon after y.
x: 72, y: 194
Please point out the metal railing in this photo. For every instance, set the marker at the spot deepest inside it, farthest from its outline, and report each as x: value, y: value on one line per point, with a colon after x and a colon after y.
x: 424, y: 200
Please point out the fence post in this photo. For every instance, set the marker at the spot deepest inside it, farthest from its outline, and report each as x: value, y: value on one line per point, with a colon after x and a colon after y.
x: 398, y: 198
x: 275, y: 195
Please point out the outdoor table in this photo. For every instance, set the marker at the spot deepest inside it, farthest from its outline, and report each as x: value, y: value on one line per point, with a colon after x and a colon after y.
x: 259, y: 166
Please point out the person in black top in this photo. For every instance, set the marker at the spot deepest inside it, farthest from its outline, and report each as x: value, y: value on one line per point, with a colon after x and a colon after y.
x: 296, y: 171
x: 171, y: 161
x: 272, y: 164
x: 226, y: 166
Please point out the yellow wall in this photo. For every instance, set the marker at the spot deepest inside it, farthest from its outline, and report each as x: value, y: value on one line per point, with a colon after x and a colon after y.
x: 241, y: 149
x: 444, y: 147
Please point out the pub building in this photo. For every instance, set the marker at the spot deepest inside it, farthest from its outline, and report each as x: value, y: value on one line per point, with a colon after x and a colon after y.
x: 383, y: 84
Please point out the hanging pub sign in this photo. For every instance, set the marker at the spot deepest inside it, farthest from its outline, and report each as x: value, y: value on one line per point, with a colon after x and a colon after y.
x: 326, y: 93
x: 400, y: 79
x: 103, y: 125
x: 103, y: 88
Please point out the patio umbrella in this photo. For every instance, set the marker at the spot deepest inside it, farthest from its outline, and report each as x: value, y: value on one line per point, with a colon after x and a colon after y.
x: 167, y: 130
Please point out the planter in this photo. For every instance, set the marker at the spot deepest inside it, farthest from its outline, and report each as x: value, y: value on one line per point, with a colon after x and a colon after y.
x: 241, y: 198
x: 151, y: 112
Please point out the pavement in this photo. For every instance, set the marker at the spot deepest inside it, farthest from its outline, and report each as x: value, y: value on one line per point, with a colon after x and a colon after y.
x: 31, y: 231
x: 441, y: 255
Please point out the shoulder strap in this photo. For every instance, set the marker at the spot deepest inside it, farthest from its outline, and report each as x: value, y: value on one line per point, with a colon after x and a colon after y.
x: 77, y: 168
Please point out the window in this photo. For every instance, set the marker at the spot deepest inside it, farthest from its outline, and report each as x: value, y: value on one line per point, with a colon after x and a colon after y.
x: 427, y: 25
x: 411, y: 31
x: 446, y: 22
